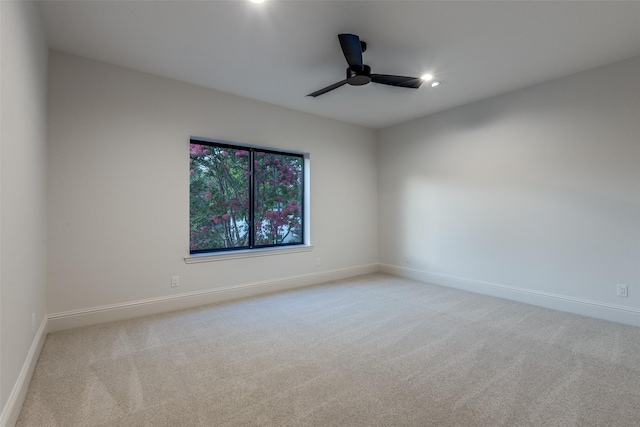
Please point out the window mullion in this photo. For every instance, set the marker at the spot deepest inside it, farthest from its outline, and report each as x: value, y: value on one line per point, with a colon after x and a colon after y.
x: 252, y: 181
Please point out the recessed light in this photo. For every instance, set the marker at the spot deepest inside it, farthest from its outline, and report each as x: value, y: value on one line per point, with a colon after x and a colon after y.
x: 257, y: 1
x: 427, y: 77
x: 435, y: 84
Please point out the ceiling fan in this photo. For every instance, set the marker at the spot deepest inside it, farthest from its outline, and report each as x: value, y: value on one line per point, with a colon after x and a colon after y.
x: 359, y: 74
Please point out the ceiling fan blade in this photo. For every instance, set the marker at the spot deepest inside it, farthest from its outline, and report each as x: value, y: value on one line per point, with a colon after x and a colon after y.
x: 352, y: 49
x: 401, y: 81
x: 328, y: 88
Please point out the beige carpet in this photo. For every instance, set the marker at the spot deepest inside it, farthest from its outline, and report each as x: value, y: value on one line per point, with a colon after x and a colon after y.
x: 375, y: 350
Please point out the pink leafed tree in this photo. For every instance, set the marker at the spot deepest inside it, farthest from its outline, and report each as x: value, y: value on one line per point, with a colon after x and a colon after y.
x: 220, y: 203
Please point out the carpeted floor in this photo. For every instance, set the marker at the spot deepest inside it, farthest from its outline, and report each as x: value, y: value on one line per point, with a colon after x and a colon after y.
x: 374, y: 350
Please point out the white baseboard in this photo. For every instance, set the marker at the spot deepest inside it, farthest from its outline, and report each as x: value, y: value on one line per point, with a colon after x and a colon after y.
x: 12, y: 408
x: 600, y: 310
x: 126, y: 310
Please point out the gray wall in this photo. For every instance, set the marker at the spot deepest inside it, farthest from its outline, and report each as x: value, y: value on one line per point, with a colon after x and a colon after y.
x: 23, y: 186
x: 118, y: 195
x: 534, y: 194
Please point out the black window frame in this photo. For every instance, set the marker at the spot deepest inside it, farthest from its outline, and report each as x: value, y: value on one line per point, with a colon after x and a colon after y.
x: 252, y: 149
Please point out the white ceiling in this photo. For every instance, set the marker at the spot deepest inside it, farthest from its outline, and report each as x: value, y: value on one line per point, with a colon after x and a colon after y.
x: 280, y: 51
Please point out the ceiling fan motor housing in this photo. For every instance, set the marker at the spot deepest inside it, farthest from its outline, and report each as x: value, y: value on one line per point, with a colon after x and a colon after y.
x: 357, y: 76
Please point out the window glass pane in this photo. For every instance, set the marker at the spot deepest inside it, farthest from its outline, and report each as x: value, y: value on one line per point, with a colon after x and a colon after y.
x: 278, y: 198
x: 219, y: 197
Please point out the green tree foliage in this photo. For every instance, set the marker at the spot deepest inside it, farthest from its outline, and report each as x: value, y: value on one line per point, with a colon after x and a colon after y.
x: 220, y: 214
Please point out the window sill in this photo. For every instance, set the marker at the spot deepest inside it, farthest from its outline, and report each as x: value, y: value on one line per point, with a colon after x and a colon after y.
x: 249, y: 253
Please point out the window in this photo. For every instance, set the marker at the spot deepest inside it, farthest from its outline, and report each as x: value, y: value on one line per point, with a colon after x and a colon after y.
x: 244, y: 197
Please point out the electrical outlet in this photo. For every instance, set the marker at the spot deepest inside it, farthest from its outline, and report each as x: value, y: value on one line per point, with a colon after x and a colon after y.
x: 407, y: 258
x: 33, y: 322
x: 622, y: 290
x: 318, y: 263
x: 175, y: 281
